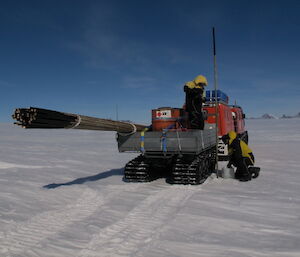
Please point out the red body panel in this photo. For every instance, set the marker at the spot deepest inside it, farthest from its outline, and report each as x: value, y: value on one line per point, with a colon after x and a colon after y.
x: 225, y: 121
x: 231, y: 118
x: 238, y: 118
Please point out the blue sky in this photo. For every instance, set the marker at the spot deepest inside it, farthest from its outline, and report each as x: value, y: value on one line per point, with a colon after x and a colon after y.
x: 88, y: 57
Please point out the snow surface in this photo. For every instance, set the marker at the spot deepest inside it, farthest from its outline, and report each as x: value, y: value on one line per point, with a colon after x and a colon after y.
x: 62, y: 194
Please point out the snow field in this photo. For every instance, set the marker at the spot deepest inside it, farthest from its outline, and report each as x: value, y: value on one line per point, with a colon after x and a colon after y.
x: 62, y: 194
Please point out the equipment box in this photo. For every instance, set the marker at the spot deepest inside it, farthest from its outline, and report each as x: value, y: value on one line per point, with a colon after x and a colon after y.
x: 221, y: 96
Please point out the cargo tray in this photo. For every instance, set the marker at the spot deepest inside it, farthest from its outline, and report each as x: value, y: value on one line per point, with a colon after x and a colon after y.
x: 189, y: 142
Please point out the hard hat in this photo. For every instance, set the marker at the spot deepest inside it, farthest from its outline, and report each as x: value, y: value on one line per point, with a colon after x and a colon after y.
x: 190, y: 84
x: 200, y: 79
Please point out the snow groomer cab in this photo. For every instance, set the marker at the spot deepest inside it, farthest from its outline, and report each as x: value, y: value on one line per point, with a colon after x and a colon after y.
x: 230, y: 118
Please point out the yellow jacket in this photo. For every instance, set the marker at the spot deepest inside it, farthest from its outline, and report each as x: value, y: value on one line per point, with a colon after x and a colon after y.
x: 243, y: 150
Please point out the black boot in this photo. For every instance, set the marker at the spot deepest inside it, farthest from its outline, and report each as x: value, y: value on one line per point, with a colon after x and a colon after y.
x: 246, y: 177
x: 254, y: 171
x: 237, y: 175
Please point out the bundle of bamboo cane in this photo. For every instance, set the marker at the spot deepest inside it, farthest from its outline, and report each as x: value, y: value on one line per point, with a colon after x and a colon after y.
x: 42, y: 118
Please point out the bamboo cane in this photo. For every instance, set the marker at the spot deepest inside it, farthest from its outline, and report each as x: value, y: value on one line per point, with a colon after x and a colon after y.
x: 42, y: 118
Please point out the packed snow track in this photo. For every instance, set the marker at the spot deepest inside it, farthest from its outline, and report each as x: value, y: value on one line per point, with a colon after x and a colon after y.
x: 62, y: 194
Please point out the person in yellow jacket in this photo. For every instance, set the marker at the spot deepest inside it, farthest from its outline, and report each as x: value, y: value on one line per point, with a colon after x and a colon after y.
x: 241, y: 156
x: 194, y: 97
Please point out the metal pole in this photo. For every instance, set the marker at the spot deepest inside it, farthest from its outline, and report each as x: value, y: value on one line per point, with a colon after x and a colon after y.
x: 216, y: 99
x: 117, y: 113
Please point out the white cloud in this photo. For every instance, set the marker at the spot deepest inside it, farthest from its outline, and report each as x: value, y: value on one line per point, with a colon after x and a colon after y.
x: 109, y: 40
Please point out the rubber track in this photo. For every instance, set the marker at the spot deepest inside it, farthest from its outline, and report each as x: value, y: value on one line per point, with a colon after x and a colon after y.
x: 193, y: 172
x: 138, y: 170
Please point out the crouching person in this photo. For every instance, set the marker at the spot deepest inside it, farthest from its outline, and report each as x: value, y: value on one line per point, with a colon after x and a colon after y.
x: 241, y: 156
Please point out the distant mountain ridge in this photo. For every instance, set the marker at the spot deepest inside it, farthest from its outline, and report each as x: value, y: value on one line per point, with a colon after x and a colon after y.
x: 288, y: 117
x: 268, y: 116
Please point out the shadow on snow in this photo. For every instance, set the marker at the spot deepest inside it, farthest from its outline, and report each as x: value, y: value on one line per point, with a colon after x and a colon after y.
x: 78, y: 181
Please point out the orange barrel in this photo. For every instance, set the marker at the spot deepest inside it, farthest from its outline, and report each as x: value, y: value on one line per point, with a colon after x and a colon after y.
x: 165, y: 117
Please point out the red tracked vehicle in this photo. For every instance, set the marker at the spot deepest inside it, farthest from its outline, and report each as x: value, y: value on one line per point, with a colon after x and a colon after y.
x: 171, y: 148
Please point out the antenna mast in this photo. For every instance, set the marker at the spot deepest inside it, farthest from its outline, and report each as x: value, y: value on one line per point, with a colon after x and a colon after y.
x: 216, y: 99
x: 117, y: 112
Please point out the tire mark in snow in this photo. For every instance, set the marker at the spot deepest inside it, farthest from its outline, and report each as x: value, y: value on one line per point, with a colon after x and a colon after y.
x: 8, y: 165
x: 28, y: 234
x: 140, y: 226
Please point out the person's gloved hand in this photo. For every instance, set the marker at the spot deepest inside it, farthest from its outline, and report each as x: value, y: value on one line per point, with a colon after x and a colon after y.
x: 229, y: 165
